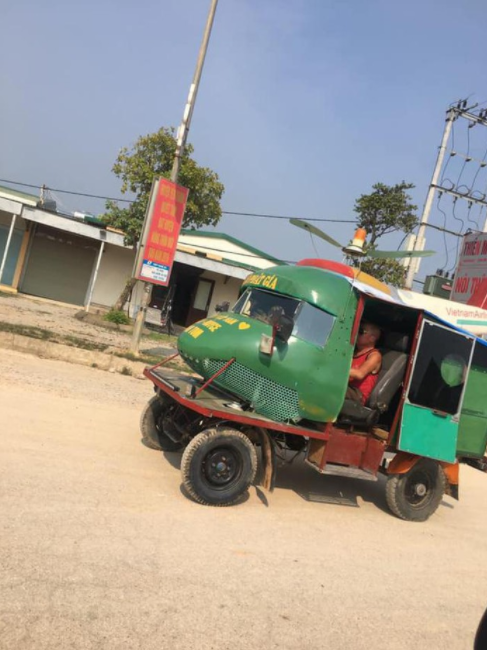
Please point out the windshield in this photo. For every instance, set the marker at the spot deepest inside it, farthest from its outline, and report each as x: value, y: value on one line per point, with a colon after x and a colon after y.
x: 263, y: 305
x: 310, y: 323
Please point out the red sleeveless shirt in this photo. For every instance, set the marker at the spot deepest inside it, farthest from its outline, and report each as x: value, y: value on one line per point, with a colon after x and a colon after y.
x: 367, y: 384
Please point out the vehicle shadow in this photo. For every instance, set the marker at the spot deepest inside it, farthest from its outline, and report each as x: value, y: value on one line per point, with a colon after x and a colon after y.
x: 314, y: 487
x: 173, y: 458
x: 241, y: 500
x: 308, y: 484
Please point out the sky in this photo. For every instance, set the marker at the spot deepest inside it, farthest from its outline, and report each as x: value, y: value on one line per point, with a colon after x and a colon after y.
x: 303, y: 104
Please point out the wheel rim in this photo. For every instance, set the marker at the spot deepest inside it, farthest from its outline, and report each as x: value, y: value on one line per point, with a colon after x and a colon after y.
x: 221, y: 467
x: 419, y: 489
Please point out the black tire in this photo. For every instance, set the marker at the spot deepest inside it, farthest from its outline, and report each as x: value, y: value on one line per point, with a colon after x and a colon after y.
x: 151, y: 429
x: 218, y: 466
x: 415, y: 495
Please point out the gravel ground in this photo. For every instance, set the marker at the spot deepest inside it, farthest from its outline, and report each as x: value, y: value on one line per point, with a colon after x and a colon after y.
x: 99, y: 548
x: 60, y: 318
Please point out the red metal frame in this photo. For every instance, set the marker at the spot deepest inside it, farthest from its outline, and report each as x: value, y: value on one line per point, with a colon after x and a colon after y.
x: 351, y: 449
x: 357, y: 319
x: 213, y: 377
x: 194, y: 405
x: 164, y: 361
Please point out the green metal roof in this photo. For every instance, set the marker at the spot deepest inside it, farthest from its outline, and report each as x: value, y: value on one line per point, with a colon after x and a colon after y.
x: 232, y: 240
x: 15, y: 194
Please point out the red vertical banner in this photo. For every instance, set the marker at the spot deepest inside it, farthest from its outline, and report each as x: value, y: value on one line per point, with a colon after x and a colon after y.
x: 156, y: 257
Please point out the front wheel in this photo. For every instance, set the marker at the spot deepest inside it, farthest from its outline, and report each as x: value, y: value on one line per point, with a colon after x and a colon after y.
x: 151, y: 426
x: 218, y: 466
x: 415, y: 495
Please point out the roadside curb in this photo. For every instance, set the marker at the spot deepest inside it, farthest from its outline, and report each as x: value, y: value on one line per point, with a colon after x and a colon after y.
x: 61, y: 352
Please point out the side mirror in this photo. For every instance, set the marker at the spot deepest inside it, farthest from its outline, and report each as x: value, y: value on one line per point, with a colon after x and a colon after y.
x: 223, y: 306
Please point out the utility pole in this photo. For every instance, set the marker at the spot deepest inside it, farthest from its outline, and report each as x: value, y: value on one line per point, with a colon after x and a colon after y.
x: 450, y: 117
x: 180, y: 144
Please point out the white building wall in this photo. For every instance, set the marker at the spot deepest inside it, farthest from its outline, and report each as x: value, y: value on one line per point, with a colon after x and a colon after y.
x: 224, y: 250
x: 223, y: 291
x: 115, y: 269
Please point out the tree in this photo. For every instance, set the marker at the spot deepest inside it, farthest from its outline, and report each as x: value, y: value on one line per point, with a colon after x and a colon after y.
x: 387, y: 209
x: 149, y: 158
x: 386, y: 270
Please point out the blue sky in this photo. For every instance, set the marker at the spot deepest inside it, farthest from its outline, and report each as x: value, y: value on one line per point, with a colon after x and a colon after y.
x: 303, y: 104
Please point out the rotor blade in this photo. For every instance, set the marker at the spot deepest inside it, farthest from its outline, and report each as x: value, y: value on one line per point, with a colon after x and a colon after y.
x: 314, y: 231
x: 399, y: 254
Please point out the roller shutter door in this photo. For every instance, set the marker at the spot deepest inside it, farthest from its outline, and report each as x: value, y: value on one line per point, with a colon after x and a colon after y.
x: 59, y: 265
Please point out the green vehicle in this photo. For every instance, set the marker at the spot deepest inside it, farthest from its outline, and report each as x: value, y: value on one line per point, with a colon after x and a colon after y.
x: 273, y: 373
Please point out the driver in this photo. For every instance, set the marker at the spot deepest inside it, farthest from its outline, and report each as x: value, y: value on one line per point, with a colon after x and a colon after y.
x: 366, y: 364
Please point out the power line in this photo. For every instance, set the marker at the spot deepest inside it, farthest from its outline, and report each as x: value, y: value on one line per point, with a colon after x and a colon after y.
x: 450, y: 156
x: 465, y: 160
x: 91, y: 196
x: 280, y: 216
x: 228, y: 212
x: 216, y: 250
x: 440, y: 196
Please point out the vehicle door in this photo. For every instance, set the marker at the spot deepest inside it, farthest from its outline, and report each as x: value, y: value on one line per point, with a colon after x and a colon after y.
x: 435, y: 391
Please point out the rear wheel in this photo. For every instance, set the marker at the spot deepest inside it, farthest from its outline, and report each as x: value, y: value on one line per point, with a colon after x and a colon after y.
x: 415, y: 495
x: 218, y: 466
x: 151, y: 425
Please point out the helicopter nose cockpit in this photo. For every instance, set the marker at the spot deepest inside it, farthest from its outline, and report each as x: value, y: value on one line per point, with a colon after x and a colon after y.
x: 271, y: 350
x: 265, y: 306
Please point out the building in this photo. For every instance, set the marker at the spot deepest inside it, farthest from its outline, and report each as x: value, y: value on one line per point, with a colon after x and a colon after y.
x: 77, y: 260
x: 471, y: 270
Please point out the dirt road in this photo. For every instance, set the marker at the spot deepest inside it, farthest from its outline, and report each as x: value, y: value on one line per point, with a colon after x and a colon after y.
x: 99, y: 548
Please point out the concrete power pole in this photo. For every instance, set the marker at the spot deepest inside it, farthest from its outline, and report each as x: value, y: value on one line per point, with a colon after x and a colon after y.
x: 180, y: 144
x: 450, y: 117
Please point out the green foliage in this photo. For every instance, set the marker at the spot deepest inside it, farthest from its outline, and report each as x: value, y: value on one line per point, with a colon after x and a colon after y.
x: 118, y: 317
x: 387, y: 270
x: 387, y: 209
x: 152, y: 157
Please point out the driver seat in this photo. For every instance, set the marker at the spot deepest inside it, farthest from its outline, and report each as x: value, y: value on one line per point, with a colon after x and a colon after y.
x: 391, y: 375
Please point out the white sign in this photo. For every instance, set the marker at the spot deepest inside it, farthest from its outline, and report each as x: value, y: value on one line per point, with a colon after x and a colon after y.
x: 471, y: 267
x: 153, y: 272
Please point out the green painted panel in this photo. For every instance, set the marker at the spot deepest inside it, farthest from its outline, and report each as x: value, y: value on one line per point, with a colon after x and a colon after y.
x: 472, y: 435
x: 426, y: 434
x: 472, y: 429
x: 467, y: 321
x: 298, y: 371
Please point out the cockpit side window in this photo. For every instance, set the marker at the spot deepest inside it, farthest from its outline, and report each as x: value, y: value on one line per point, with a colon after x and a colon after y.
x: 313, y: 324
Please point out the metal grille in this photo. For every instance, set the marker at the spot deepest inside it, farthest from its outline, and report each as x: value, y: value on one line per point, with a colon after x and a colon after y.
x: 266, y: 396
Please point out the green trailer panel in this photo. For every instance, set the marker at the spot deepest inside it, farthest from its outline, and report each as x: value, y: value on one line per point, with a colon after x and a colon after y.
x: 472, y: 430
x: 426, y: 433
